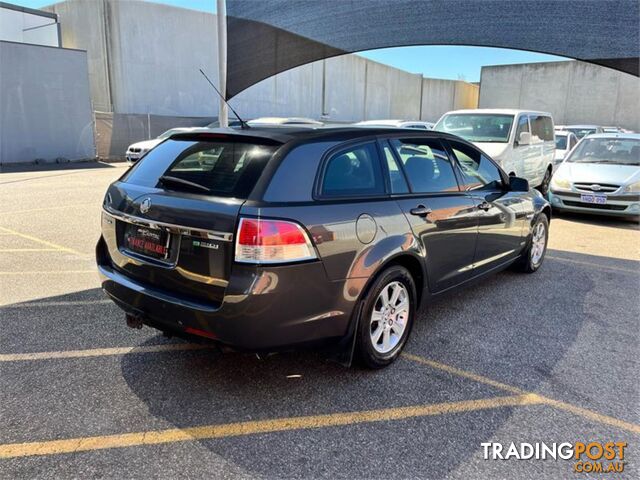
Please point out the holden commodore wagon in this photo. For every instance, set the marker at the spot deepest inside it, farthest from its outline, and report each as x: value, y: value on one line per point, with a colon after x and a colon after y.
x: 270, y: 238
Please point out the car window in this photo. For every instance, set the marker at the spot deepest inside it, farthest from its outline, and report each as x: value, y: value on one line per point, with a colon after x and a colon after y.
x: 354, y: 172
x: 396, y: 177
x: 541, y: 127
x: 426, y: 165
x: 523, y: 126
x: 217, y: 168
x: 572, y: 141
x: 561, y: 142
x: 478, y: 172
x: 607, y: 150
x: 477, y: 127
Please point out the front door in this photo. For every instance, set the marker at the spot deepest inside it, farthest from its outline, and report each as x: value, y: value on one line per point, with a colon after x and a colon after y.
x: 527, y: 156
x: 501, y: 214
x: 441, y: 216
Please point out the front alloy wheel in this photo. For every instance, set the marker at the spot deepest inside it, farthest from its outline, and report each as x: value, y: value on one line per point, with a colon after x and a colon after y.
x: 533, y: 256
x: 546, y: 181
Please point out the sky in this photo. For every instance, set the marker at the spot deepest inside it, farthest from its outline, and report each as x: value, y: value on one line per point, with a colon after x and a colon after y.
x: 450, y: 62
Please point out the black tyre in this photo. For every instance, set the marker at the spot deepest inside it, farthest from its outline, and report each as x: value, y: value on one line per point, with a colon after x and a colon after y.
x: 546, y: 181
x: 533, y: 255
x: 386, y: 318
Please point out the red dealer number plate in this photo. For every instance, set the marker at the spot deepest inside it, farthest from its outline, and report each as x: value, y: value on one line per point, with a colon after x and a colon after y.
x: 147, y: 241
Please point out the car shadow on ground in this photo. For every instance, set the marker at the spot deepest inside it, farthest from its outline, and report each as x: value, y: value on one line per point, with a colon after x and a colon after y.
x: 55, y: 167
x: 512, y: 327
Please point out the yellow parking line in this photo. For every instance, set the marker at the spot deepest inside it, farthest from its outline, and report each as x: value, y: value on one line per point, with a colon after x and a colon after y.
x: 59, y: 303
x: 50, y: 272
x: 83, y: 444
x: 44, y: 209
x: 17, y: 250
x: 583, y: 412
x: 43, y: 242
x: 596, y: 265
x: 101, y: 352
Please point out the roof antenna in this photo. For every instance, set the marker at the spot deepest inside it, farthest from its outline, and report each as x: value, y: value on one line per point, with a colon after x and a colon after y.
x: 243, y: 124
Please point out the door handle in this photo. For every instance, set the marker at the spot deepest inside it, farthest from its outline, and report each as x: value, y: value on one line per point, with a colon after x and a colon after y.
x: 484, y: 206
x: 420, y: 211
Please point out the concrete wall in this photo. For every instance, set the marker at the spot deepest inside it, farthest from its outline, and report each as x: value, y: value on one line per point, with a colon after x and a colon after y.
x: 574, y: 92
x: 144, y: 59
x: 46, y: 109
x: 82, y: 25
x: 441, y: 96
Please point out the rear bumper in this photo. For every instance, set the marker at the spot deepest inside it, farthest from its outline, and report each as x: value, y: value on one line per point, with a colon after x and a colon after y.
x: 617, y: 206
x: 263, y: 308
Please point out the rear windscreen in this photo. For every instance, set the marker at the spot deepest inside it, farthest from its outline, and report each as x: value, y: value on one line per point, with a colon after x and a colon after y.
x: 228, y: 169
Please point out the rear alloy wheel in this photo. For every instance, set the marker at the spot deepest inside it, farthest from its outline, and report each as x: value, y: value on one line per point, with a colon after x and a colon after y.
x: 546, y: 181
x: 533, y: 256
x: 386, y: 318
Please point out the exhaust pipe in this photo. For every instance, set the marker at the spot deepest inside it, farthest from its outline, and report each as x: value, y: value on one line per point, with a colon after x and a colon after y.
x: 134, y: 321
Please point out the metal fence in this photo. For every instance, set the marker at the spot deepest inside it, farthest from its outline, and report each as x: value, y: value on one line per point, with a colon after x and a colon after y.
x: 116, y: 131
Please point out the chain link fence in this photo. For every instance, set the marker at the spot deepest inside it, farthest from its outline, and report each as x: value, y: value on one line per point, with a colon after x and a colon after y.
x: 116, y: 131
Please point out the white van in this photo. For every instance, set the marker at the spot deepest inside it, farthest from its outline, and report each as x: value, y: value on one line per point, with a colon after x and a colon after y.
x: 521, y: 141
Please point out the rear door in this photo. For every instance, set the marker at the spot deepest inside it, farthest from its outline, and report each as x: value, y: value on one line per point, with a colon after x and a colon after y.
x: 170, y: 221
x: 501, y: 213
x: 441, y: 216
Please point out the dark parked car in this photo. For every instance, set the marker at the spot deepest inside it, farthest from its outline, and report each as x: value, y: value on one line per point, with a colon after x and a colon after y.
x: 265, y: 239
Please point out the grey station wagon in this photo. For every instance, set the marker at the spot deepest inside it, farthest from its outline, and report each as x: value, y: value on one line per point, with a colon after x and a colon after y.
x: 268, y: 238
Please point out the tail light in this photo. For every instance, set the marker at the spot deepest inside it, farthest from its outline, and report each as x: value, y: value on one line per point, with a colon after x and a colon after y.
x: 272, y: 241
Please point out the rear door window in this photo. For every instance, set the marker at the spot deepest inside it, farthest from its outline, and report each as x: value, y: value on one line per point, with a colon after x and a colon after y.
x: 354, y: 171
x: 396, y: 177
x: 426, y: 165
x: 228, y: 169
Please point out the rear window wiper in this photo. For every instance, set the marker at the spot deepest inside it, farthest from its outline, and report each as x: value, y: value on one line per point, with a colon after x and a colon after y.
x: 168, y: 179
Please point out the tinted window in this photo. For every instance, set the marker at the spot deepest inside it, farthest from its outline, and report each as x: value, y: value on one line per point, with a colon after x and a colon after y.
x: 478, y: 172
x: 396, y: 177
x: 218, y: 168
x: 561, y: 142
x: 427, y: 165
x: 353, y: 171
x: 542, y: 127
x: 523, y: 126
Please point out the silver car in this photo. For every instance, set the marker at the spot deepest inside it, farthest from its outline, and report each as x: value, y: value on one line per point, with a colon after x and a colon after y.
x: 601, y: 175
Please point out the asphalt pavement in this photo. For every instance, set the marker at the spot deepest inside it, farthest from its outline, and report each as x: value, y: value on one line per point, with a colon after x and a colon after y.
x: 548, y: 357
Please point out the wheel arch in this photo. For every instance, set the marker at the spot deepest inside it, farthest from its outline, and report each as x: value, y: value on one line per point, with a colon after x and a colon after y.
x: 409, y: 261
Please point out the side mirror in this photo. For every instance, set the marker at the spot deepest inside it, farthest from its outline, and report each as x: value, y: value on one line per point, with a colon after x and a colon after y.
x: 524, y: 139
x: 517, y: 184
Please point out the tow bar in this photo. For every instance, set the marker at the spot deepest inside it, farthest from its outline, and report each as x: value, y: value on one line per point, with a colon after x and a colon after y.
x: 134, y: 321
